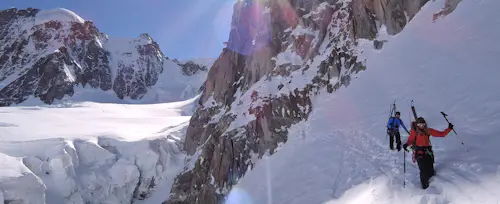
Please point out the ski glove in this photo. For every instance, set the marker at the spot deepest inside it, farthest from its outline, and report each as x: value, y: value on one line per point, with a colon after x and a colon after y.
x: 405, y: 146
x: 450, y: 125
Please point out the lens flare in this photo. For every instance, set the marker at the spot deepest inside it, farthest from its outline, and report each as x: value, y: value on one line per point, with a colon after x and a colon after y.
x: 250, y: 27
x: 238, y: 196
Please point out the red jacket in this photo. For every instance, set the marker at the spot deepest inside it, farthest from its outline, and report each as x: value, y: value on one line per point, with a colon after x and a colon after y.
x: 423, y: 139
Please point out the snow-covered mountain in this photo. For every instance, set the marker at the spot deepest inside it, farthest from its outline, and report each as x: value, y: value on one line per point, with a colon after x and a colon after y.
x: 89, y: 145
x: 265, y: 83
x: 52, y: 54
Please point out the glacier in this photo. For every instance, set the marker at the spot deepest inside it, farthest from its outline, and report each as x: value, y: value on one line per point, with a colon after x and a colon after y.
x: 88, y: 152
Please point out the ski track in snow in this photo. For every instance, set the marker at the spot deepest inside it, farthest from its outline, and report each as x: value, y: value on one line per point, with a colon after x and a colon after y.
x: 341, y: 154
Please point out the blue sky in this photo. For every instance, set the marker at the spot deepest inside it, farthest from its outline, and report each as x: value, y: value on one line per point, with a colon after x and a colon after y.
x: 183, y: 28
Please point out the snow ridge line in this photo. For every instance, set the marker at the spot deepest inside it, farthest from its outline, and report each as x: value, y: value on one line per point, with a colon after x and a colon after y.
x: 83, y: 171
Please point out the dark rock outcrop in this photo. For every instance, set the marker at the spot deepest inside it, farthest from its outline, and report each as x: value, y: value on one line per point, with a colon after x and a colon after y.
x: 190, y: 68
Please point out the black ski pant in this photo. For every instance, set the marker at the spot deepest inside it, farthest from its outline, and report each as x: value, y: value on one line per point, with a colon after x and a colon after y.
x: 392, y: 135
x: 425, y: 160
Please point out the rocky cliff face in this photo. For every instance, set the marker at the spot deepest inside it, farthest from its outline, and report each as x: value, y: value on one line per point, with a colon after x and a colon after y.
x: 139, y: 65
x: 46, y: 54
x: 39, y: 58
x: 253, y: 96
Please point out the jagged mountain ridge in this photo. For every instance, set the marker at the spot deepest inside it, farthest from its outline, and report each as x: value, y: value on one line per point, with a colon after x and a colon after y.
x: 252, y: 98
x: 46, y: 54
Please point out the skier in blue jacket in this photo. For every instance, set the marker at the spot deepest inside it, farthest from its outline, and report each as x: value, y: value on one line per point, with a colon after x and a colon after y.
x: 393, y: 131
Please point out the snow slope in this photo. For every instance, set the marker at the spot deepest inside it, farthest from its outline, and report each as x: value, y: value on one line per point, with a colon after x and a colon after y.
x: 174, y: 85
x: 91, y: 152
x: 340, y: 154
x: 135, y: 122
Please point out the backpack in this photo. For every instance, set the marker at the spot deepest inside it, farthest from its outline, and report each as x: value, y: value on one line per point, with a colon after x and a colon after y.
x: 393, y: 126
x: 414, y: 128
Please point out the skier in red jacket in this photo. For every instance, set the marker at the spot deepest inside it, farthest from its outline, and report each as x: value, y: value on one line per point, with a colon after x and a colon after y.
x: 422, y: 148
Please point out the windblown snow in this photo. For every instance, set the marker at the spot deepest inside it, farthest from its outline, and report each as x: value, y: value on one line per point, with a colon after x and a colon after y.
x: 341, y: 154
x: 58, y: 14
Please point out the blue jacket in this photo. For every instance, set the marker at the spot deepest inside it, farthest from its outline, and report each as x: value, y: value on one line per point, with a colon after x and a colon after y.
x: 393, y: 124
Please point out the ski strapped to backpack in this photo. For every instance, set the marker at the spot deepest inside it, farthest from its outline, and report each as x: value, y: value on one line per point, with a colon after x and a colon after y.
x: 392, y: 112
x: 414, y: 126
x: 414, y: 123
x: 413, y: 110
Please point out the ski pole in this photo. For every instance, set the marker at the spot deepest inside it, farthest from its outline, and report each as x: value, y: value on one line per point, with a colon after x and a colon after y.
x: 444, y: 115
x: 404, y: 168
x: 446, y: 118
